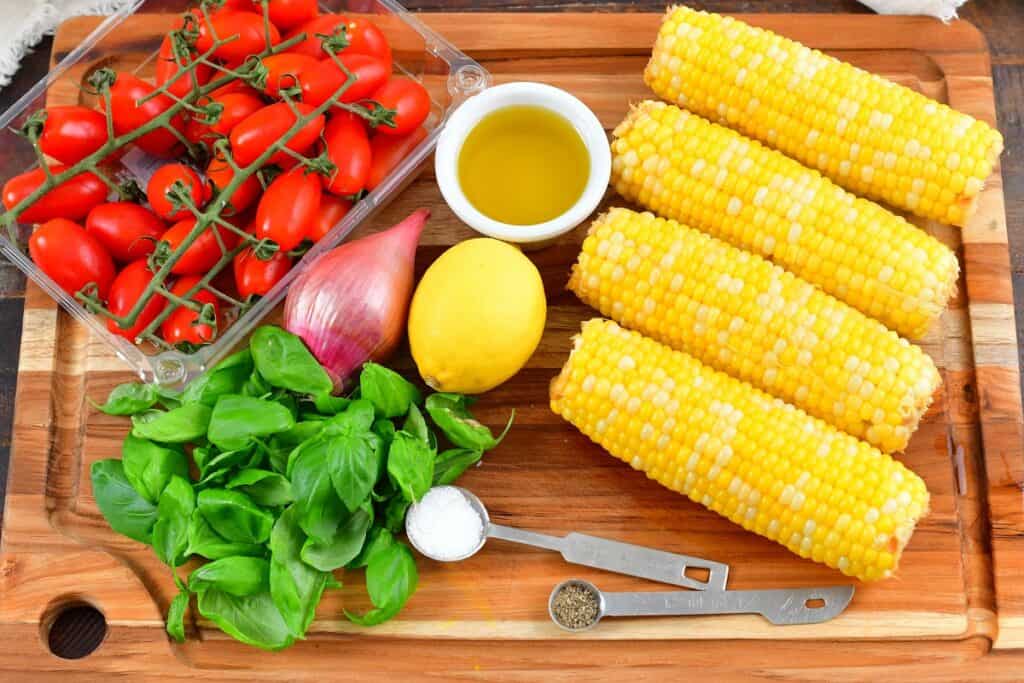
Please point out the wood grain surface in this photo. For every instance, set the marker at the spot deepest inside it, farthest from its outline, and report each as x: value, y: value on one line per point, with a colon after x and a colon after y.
x: 957, y: 594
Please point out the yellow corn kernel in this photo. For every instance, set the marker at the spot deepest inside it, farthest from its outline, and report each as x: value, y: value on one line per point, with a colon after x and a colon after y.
x: 688, y: 169
x: 868, y: 134
x: 755, y: 321
x: 758, y: 461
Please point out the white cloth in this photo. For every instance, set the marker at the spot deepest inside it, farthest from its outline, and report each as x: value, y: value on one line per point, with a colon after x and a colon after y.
x: 941, y: 9
x: 25, y: 22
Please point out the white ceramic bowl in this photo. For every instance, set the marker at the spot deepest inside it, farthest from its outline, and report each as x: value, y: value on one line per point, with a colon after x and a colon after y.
x: 466, y: 117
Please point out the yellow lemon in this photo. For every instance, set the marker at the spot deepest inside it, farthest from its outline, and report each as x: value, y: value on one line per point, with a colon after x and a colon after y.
x: 476, y: 317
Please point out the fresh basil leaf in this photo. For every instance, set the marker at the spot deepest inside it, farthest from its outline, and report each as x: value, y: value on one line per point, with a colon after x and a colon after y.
x: 385, y: 429
x: 170, y: 533
x: 204, y: 541
x: 410, y: 466
x: 227, y: 377
x: 235, y: 516
x: 374, y: 616
x: 394, y: 514
x: 239, y: 576
x: 353, y: 461
x: 223, y: 461
x: 289, y: 403
x: 450, y: 413
x: 390, y: 393
x: 280, y: 446
x: 317, y: 504
x: 391, y: 579
x: 450, y: 464
x: 267, y: 488
x: 356, y: 419
x: 130, y: 398
x: 295, y: 586
x: 256, y: 386
x: 253, y: 619
x: 344, y: 546
x: 377, y: 539
x: 176, y: 616
x: 168, y: 398
x: 416, y: 425
x: 180, y: 425
x: 328, y: 404
x: 126, y: 511
x: 146, y: 416
x: 201, y: 456
x: 236, y: 419
x: 284, y: 361
x: 149, y: 466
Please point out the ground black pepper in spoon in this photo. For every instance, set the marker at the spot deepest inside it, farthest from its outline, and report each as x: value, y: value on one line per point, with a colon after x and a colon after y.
x: 575, y: 606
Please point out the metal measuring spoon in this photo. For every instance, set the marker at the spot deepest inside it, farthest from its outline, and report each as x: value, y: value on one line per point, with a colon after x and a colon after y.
x: 591, y: 551
x: 783, y: 607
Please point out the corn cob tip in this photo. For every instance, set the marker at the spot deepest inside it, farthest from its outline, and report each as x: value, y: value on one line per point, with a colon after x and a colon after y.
x: 556, y: 389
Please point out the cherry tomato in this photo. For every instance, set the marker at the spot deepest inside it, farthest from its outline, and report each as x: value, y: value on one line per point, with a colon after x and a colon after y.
x: 72, y: 199
x: 253, y: 276
x: 251, y: 137
x: 180, y: 326
x: 322, y: 81
x: 387, y: 151
x: 288, y: 207
x: 72, y: 133
x: 235, y: 108
x: 203, y: 253
x: 160, y: 185
x: 126, y: 230
x: 72, y: 257
x: 167, y: 67
x: 124, y: 294
x: 220, y: 174
x: 363, y: 37
x: 348, y: 148
x: 286, y: 70
x: 128, y: 115
x: 332, y: 210
x: 325, y: 24
x: 226, y: 23
x: 410, y: 101
x: 287, y: 14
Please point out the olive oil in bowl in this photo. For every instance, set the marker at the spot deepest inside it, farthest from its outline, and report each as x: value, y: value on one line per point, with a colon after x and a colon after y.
x: 523, y: 165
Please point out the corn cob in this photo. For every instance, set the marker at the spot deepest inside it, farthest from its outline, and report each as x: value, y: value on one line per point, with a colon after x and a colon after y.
x: 711, y: 178
x: 755, y: 460
x: 868, y: 134
x: 755, y: 321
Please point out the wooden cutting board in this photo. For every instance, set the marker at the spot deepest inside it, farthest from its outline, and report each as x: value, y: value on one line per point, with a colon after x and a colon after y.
x: 955, y: 597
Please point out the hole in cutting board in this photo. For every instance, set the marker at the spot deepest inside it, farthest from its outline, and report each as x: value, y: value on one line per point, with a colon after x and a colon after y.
x: 73, y: 629
x: 701, y: 574
x: 814, y: 603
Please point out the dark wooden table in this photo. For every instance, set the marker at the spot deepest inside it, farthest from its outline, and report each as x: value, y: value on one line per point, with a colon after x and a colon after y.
x: 1001, y: 21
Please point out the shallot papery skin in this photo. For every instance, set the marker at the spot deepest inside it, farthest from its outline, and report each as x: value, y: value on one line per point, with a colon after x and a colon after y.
x: 350, y: 305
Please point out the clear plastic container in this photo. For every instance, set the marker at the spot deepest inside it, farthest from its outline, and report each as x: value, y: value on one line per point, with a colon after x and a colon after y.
x: 129, y: 41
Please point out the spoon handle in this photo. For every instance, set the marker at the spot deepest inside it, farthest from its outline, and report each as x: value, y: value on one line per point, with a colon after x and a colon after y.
x: 780, y: 606
x: 531, y: 538
x: 621, y: 558
x: 643, y: 562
